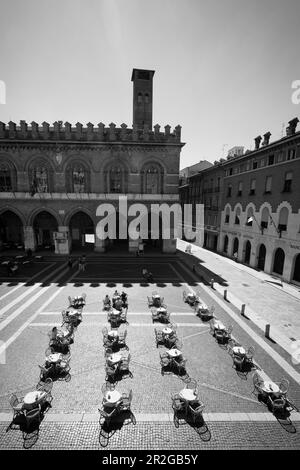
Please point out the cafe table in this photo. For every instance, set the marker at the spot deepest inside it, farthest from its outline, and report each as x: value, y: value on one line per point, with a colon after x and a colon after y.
x: 239, y: 350
x: 270, y: 387
x: 113, y: 334
x: 219, y: 325
x: 54, y: 358
x: 174, y: 353
x: 188, y: 394
x: 114, y: 358
x: 167, y: 331
x: 111, y: 398
x: 33, y: 399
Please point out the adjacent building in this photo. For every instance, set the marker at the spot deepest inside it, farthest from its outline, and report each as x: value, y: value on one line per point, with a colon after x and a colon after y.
x: 252, y: 205
x: 53, y: 178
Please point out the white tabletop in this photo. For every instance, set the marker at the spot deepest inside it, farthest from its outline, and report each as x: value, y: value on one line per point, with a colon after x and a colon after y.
x: 239, y: 350
x: 55, y: 357
x: 219, y: 325
x: 115, y: 312
x: 162, y: 310
x: 33, y: 397
x: 72, y: 312
x: 114, y: 358
x: 5, y: 262
x: 270, y: 387
x: 167, y: 331
x: 113, y: 333
x: 62, y: 333
x: 112, y: 397
x: 188, y: 394
x: 202, y: 307
x: 174, y: 352
x: 156, y: 296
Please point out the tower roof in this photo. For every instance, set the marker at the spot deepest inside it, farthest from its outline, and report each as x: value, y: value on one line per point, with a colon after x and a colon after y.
x: 141, y: 70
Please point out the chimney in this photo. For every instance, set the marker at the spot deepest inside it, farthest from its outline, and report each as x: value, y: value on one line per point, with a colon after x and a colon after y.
x: 291, y: 129
x: 266, y: 140
x: 257, y: 141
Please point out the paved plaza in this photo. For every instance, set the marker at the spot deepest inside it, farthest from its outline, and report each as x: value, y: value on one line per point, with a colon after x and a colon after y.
x: 31, y: 304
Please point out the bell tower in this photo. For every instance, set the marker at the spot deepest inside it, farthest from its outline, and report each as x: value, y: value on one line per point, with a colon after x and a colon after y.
x: 142, y: 97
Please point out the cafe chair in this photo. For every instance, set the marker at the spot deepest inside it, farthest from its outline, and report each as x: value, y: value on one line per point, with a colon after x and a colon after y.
x: 283, y: 386
x: 45, y: 373
x: 17, y: 405
x: 104, y: 330
x: 180, y: 366
x: 184, y: 296
x: 106, y: 415
x: 123, y: 316
x: 220, y: 336
x: 159, y: 337
x: 257, y: 382
x: 111, y: 373
x: 124, y: 367
x: 155, y: 315
x: 191, y: 384
x: 171, y: 342
x: 277, y: 405
x: 179, y: 344
x: 238, y: 362
x: 33, y: 419
x: 250, y: 354
x: 122, y: 339
x: 107, y: 387
x: 46, y: 387
x: 196, y: 409
x: 126, y: 401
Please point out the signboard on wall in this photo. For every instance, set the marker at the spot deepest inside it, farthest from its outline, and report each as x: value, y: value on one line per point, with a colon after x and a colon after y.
x: 89, y: 238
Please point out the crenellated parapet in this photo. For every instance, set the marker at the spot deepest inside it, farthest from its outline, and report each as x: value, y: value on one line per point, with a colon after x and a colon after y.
x: 100, y: 133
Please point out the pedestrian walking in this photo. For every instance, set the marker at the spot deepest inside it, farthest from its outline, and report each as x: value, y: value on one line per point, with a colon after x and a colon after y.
x: 70, y: 262
x: 80, y: 264
x: 194, y: 268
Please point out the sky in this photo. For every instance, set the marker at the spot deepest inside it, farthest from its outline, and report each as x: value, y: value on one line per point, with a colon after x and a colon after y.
x: 223, y: 68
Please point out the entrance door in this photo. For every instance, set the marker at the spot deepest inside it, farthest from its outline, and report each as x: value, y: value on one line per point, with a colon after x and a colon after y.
x: 261, y: 257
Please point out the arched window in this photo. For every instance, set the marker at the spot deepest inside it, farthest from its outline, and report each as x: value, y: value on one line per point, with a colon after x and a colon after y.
x: 227, y: 216
x: 146, y: 98
x: 250, y: 217
x: 140, y: 98
x: 152, y: 179
x: 79, y: 179
x: 283, y: 219
x: 265, y: 218
x: 5, y: 178
x: 39, y: 179
x: 115, y: 180
x: 237, y: 216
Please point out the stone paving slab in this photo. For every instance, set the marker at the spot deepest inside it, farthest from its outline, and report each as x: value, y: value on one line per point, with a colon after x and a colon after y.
x: 160, y: 436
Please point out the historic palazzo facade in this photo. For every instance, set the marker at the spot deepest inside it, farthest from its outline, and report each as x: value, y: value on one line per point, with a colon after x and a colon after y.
x: 53, y: 178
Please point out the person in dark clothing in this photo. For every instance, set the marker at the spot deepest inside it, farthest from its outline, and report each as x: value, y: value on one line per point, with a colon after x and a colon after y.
x: 70, y: 262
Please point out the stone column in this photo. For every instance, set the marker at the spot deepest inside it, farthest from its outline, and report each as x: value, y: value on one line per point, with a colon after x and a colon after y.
x: 169, y: 246
x: 29, y: 238
x: 100, y: 245
x: 62, y: 241
x: 287, y: 268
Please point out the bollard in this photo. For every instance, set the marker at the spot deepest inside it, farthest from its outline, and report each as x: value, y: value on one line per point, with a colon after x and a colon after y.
x: 267, y: 331
x: 243, y: 309
x: 225, y: 294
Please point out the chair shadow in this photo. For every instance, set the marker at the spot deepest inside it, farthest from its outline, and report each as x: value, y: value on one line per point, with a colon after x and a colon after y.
x: 30, y: 433
x: 107, y: 430
x: 199, y: 425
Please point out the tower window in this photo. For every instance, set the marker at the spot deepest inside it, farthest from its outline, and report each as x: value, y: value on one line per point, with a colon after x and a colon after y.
x: 140, y: 98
